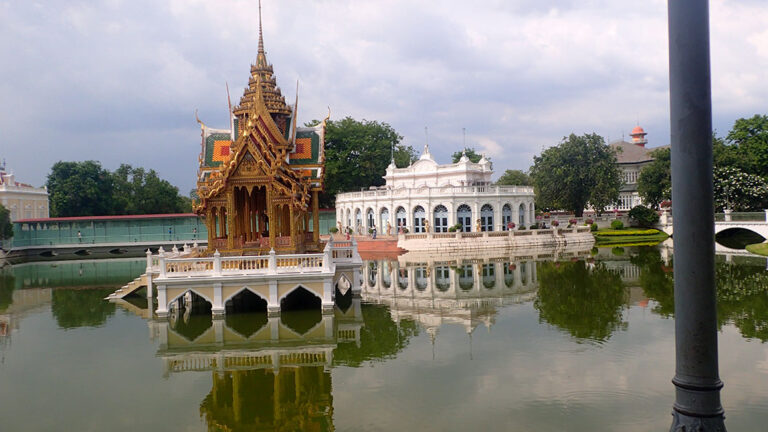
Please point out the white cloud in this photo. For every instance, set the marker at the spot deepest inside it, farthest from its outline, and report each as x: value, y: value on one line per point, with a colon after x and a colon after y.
x: 517, y: 75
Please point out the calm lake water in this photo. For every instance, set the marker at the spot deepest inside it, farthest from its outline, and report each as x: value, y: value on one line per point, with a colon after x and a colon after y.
x: 582, y: 342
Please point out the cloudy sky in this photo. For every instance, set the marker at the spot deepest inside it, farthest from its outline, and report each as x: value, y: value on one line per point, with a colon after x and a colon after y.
x: 119, y: 81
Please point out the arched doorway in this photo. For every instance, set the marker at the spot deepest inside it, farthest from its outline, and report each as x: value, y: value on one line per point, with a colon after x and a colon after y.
x: 384, y: 218
x: 370, y: 219
x: 522, y: 215
x: 441, y: 219
x: 464, y: 217
x: 418, y: 219
x: 486, y: 218
x: 506, y: 216
x: 358, y: 221
x: 401, y: 217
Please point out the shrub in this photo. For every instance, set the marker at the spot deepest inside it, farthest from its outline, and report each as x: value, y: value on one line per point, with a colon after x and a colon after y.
x: 405, y: 230
x: 594, y: 251
x: 593, y: 227
x: 333, y: 230
x: 555, y: 223
x: 534, y: 226
x: 572, y: 221
x: 350, y: 230
x: 522, y: 227
x: 643, y: 216
x: 618, y: 251
x: 370, y: 230
x: 589, y: 222
x: 452, y: 229
x: 617, y: 224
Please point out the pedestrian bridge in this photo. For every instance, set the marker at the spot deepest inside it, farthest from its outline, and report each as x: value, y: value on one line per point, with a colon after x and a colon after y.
x: 757, y: 222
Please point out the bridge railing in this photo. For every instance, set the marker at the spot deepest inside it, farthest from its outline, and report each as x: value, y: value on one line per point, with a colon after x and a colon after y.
x: 741, y: 217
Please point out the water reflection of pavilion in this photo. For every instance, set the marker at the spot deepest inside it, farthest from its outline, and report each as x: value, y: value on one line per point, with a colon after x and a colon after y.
x: 268, y: 373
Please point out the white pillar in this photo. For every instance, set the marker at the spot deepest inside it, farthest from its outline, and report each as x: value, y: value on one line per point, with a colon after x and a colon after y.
x: 273, y: 306
x: 217, y: 308
x: 327, y: 303
x: 728, y: 214
x: 162, y: 302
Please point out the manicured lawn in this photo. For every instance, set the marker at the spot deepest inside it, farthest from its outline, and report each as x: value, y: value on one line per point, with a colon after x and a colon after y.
x: 629, y: 236
x: 758, y: 248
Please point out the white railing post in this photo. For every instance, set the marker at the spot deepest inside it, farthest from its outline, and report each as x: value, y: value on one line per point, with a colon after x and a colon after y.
x: 149, y: 261
x: 272, y: 262
x: 175, y: 250
x: 161, y: 261
x: 217, y: 263
x: 727, y: 214
x: 327, y: 257
x: 766, y: 214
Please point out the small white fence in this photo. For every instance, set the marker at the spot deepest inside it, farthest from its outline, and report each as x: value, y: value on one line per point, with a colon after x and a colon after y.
x: 171, y: 265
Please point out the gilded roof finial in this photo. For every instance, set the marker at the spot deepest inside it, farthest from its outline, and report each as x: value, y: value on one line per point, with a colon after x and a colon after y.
x: 261, y: 35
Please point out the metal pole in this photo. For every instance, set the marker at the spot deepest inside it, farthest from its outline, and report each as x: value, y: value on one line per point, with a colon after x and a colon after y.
x: 697, y: 382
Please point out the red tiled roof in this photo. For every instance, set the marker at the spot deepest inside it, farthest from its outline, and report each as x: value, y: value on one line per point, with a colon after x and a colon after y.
x: 128, y: 217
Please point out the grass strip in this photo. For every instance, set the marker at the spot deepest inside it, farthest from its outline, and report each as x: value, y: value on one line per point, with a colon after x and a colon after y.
x: 758, y: 248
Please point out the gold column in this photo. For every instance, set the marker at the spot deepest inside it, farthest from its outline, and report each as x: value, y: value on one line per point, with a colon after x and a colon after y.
x: 231, y: 219
x: 271, y: 218
x: 315, y: 217
x: 247, y: 216
x: 292, y: 226
x: 210, y: 221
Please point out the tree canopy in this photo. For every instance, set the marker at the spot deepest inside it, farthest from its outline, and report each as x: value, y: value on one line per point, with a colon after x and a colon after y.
x: 87, y: 189
x: 580, y: 171
x: 655, y: 181
x: 471, y: 154
x: 357, y: 154
x: 514, y: 178
x: 740, y: 169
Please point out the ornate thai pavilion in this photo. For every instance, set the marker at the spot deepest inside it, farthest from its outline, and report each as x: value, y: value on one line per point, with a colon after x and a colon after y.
x: 259, y: 180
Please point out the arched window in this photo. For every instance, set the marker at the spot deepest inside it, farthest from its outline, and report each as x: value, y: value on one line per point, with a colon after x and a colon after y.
x: 442, y: 278
x: 464, y: 217
x: 384, y: 219
x: 349, y: 219
x: 418, y: 219
x: 506, y: 216
x: 401, y: 217
x: 441, y: 219
x: 466, y: 277
x: 421, y: 278
x: 486, y: 218
x: 489, y: 276
x: 522, y: 214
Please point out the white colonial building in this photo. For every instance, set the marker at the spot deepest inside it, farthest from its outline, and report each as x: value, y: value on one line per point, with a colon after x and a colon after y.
x: 23, y: 201
x: 426, y: 196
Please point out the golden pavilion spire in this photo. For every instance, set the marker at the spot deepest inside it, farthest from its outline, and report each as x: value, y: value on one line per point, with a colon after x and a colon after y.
x: 261, y: 57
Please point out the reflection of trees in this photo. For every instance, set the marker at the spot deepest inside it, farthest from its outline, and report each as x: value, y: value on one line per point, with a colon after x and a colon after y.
x: 7, y: 284
x: 742, y: 292
x: 742, y: 298
x: 587, y: 303
x: 656, y: 279
x: 380, y: 338
x: 80, y: 308
x: 295, y: 398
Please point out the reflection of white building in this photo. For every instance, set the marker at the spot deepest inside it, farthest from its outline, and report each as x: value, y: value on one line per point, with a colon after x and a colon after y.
x: 444, y: 195
x: 23, y: 201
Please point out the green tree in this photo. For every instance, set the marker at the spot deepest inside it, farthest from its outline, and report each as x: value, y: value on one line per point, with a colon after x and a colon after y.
x: 578, y: 172
x: 750, y: 139
x: 514, y: 178
x: 143, y: 192
x: 655, y: 181
x: 357, y: 154
x: 6, y: 227
x: 79, y: 189
x: 643, y: 216
x: 471, y: 154
x: 738, y: 190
